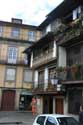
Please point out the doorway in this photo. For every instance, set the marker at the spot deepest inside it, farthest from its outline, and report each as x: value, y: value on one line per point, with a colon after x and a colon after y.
x: 48, y: 104
x: 59, y: 105
x: 8, y: 100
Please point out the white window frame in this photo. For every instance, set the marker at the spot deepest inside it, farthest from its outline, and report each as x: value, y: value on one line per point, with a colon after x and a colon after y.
x: 26, y: 75
x: 10, y: 74
x: 12, y: 55
x: 48, y: 29
x: 15, y: 32
x: 31, y: 35
x: 1, y: 30
x: 75, y: 14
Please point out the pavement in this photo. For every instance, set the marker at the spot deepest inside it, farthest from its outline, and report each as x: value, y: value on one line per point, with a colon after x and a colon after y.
x: 16, y: 117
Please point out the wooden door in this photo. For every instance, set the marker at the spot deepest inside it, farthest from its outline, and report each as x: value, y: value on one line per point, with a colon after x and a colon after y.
x: 59, y: 105
x: 8, y: 100
x: 48, y: 104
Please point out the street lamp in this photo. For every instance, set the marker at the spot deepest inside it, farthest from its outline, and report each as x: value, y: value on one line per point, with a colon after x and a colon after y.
x: 56, y: 82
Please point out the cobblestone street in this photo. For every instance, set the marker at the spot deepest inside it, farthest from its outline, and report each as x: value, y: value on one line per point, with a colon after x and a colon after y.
x: 13, y: 118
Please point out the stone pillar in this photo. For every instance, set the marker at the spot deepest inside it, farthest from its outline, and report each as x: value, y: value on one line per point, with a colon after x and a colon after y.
x: 31, y: 61
x: 62, y: 57
x: 17, y: 99
x: 53, y: 105
x: 46, y: 77
x: 35, y: 78
x: 66, y: 104
x: 54, y: 49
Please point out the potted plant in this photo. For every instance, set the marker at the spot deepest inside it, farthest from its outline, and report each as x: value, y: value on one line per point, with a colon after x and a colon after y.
x: 74, y: 70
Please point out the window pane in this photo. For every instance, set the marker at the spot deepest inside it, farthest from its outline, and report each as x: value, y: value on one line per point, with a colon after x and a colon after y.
x: 15, y: 32
x: 51, y: 121
x: 27, y: 76
x: 41, y: 120
x: 1, y: 30
x: 10, y: 74
x: 12, y: 54
x: 31, y: 35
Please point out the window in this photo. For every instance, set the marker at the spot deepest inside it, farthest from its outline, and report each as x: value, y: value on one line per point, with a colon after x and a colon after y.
x: 41, y: 120
x: 74, y: 55
x: 31, y: 35
x: 41, y: 77
x: 10, y: 74
x: 48, y: 29
x: 15, y: 32
x: 76, y: 12
x: 43, y: 32
x: 27, y: 76
x: 52, y: 73
x: 12, y: 54
x: 1, y: 30
x: 74, y: 101
x: 67, y: 121
x: 51, y: 121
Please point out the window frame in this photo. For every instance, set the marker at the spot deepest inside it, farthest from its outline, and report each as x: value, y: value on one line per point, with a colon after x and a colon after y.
x: 44, y: 117
x: 9, y: 80
x: 12, y: 54
x: 24, y: 76
x: 15, y: 32
x: 31, y: 36
x: 1, y: 31
x: 55, y: 123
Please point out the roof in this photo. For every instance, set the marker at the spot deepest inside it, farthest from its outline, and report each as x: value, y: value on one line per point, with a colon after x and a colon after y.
x: 6, y: 23
x: 60, y: 11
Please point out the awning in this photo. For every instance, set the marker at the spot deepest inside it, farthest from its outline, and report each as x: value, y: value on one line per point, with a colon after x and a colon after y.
x: 25, y: 92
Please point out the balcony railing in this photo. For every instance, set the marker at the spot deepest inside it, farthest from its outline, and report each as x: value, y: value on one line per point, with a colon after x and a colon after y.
x: 42, y: 59
x: 71, y: 34
x: 50, y: 86
x: 71, y: 73
x: 19, y: 61
x: 75, y: 29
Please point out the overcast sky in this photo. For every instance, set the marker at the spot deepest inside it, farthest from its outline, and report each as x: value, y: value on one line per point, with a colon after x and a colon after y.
x: 32, y: 12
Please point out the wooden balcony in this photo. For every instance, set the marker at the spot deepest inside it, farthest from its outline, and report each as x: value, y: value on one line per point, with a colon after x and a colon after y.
x: 44, y: 58
x: 20, y: 61
x: 74, y: 31
x: 51, y: 88
x: 70, y: 35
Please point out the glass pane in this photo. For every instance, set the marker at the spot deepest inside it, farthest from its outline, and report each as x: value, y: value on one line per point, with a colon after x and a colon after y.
x: 15, y: 32
x: 31, y: 35
x: 27, y: 76
x: 12, y: 54
x: 1, y: 30
x: 10, y: 74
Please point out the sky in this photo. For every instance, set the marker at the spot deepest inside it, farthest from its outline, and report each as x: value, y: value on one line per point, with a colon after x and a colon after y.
x: 32, y: 12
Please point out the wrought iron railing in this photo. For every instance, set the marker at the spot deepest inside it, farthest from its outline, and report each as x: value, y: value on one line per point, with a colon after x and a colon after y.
x: 20, y: 60
x: 50, y: 84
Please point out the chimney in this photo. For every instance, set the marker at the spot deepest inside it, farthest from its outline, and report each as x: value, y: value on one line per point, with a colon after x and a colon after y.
x: 17, y: 21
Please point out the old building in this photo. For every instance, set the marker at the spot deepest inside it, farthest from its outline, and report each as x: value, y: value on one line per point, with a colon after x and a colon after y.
x: 59, y: 50
x: 15, y: 76
x: 70, y: 60
x: 47, y: 87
